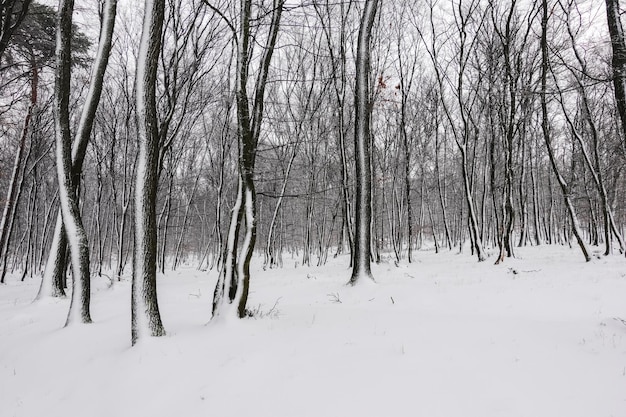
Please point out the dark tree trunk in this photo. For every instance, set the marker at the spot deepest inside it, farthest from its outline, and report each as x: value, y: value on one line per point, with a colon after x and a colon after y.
x: 145, y: 316
x: 55, y: 266
x: 235, y: 278
x: 545, y: 65
x: 362, y: 145
x: 70, y: 211
x: 12, y: 13
x: 619, y: 59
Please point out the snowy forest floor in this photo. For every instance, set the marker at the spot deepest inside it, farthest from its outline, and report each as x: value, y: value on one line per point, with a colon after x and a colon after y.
x: 538, y: 336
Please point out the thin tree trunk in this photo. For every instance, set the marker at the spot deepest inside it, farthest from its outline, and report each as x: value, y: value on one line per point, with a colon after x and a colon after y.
x: 249, y: 122
x: 13, y: 190
x: 546, y: 133
x: 269, y: 246
x: 181, y: 236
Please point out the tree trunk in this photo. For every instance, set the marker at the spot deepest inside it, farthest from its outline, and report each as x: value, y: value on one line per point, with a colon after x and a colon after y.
x: 55, y: 265
x: 269, y: 246
x: 362, y: 144
x: 145, y: 316
x: 177, y: 253
x: 546, y: 133
x: 70, y: 211
x: 235, y: 279
x: 13, y: 190
x: 619, y: 59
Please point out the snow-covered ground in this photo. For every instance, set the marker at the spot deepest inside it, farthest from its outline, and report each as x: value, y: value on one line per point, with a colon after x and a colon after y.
x: 539, y: 336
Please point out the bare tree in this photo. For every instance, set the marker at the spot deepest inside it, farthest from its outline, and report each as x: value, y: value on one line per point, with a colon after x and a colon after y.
x: 581, y: 77
x: 545, y: 126
x: 145, y: 316
x: 231, y: 291
x: 55, y: 267
x: 362, y: 145
x: 72, y: 222
x: 10, y: 206
x: 466, y: 16
x: 339, y: 76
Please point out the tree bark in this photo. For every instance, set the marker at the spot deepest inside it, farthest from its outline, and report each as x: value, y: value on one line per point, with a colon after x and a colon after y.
x: 55, y: 265
x: 235, y: 277
x: 362, y: 144
x: 70, y: 211
x: 618, y: 45
x: 145, y: 316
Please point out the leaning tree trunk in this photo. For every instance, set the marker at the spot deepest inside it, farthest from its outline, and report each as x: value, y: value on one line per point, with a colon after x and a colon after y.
x: 76, y: 234
x: 145, y: 316
x: 362, y: 145
x: 546, y: 134
x: 231, y: 291
x: 55, y: 266
x: 270, y: 251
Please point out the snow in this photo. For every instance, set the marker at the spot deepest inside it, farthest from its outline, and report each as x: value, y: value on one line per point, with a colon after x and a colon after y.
x: 444, y: 336
x: 45, y: 289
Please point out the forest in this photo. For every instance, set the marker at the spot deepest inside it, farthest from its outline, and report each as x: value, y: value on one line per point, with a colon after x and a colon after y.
x: 206, y: 133
x: 312, y: 208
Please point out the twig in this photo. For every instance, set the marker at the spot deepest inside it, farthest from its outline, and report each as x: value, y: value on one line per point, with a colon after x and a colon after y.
x: 334, y: 297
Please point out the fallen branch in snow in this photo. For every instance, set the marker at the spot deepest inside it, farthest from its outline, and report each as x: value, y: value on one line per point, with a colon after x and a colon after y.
x: 111, y: 281
x: 516, y: 272
x: 334, y: 297
x: 621, y: 320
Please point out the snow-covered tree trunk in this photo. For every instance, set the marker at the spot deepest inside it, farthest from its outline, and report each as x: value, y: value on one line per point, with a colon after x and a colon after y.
x: 76, y: 234
x: 545, y: 65
x: 145, y: 316
x: 55, y: 265
x: 231, y: 291
x: 362, y: 145
x: 477, y: 243
x: 227, y: 281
